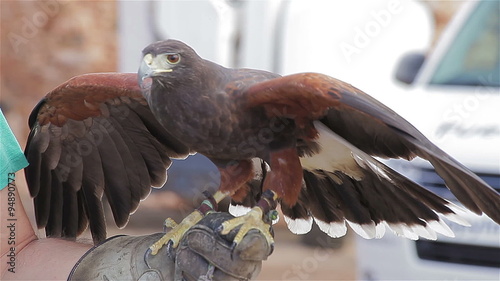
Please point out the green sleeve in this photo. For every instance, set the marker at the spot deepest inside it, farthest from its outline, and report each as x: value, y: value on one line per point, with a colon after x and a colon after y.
x: 11, y: 156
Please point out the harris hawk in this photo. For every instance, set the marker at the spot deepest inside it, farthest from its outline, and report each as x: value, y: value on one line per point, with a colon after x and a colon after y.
x: 318, y: 137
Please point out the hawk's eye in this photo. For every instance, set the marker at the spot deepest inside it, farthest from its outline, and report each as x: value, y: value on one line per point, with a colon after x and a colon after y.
x: 173, y: 58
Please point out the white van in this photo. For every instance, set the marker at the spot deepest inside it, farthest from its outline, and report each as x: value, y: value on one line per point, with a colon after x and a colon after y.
x: 454, y: 99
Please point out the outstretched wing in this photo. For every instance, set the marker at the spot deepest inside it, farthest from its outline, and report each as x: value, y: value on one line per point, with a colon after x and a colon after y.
x: 90, y: 136
x: 344, y: 128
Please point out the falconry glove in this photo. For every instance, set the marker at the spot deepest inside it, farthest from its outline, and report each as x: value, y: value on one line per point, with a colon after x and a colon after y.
x: 203, y: 254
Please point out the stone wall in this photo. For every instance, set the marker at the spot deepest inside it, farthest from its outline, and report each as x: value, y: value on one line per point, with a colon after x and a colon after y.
x: 43, y: 43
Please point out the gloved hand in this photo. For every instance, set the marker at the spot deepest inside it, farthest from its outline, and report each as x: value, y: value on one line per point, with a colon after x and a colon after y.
x: 203, y: 254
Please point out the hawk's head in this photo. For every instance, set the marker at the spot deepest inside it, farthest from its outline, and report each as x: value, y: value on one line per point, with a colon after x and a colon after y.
x: 168, y: 62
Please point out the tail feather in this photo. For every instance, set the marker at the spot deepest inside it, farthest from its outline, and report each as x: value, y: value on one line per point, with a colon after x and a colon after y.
x: 324, y: 204
x: 379, y: 197
x: 380, y: 202
x: 352, y: 201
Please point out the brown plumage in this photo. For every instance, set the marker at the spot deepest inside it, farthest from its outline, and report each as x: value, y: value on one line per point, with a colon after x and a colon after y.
x: 94, y: 135
x: 318, y: 136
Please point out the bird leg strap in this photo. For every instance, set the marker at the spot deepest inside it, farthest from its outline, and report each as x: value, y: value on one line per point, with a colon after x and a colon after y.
x: 268, y: 204
x: 178, y: 231
x: 260, y: 218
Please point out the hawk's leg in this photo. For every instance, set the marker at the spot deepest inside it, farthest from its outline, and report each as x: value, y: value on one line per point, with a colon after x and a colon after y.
x: 175, y: 235
x: 283, y: 181
x: 233, y: 177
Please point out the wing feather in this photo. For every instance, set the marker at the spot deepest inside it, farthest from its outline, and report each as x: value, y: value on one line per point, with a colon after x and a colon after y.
x: 115, y: 174
x: 42, y: 200
x: 70, y: 212
x: 359, y: 189
x: 91, y: 136
x: 54, y: 226
x: 135, y: 168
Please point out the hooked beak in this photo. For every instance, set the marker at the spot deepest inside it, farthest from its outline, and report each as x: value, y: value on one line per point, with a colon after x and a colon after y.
x: 150, y: 68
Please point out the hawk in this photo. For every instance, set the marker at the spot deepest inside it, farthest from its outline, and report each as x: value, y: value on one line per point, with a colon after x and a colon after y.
x: 318, y: 137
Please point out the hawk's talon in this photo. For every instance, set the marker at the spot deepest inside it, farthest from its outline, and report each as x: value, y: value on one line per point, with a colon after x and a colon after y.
x: 175, y: 235
x: 219, y: 228
x: 252, y: 220
x: 146, y: 257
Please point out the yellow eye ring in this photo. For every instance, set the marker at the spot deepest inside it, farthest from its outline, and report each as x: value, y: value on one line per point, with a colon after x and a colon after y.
x: 173, y: 58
